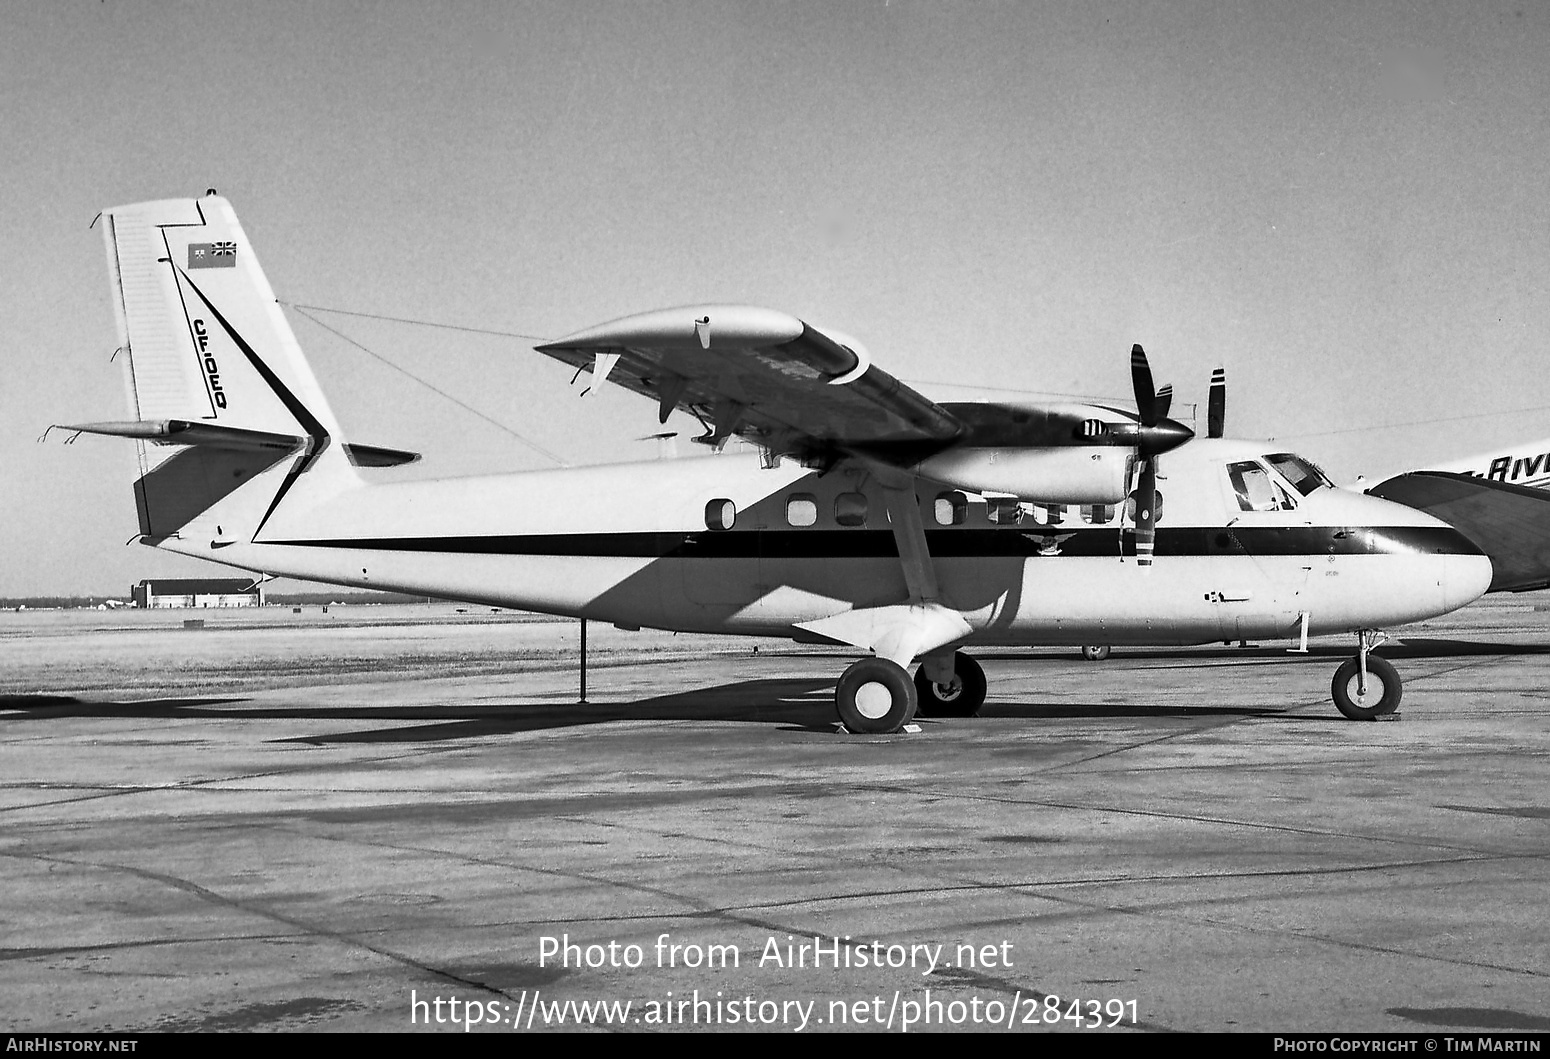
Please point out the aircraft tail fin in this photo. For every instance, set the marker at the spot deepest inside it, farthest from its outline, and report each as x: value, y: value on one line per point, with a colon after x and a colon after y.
x: 211, y: 356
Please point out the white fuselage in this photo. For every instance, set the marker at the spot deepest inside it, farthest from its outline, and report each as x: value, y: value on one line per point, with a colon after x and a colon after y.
x: 634, y: 545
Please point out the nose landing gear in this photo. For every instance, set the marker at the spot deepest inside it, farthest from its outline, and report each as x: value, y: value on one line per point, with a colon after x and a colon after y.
x: 1366, y: 687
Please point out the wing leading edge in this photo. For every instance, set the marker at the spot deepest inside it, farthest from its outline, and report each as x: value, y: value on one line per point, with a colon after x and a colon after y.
x: 1510, y: 523
x: 762, y: 375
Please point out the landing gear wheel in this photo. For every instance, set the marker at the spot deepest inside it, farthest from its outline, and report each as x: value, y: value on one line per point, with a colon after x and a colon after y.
x: 961, y: 698
x: 875, y: 697
x: 1095, y: 652
x: 1383, y: 689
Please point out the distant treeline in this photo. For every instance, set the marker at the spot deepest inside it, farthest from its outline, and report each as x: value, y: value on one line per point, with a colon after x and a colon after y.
x: 55, y: 601
x: 277, y: 599
x: 297, y: 599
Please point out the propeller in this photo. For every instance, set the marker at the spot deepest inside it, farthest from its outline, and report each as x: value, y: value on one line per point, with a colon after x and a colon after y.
x: 1156, y: 435
x: 1216, y: 405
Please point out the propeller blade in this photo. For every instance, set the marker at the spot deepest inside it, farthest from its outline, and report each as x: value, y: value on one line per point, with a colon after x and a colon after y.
x: 1216, y: 406
x: 1146, y: 514
x: 1163, y: 403
x: 1141, y: 379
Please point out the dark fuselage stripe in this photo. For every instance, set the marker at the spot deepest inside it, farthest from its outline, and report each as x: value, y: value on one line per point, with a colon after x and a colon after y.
x: 1017, y: 541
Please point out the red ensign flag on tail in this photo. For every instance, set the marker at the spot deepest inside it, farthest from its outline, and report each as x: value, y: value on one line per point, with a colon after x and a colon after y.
x: 212, y: 255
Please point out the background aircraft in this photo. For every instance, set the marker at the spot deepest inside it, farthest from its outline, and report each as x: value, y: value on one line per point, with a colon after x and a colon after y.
x: 870, y: 516
x: 1499, y: 500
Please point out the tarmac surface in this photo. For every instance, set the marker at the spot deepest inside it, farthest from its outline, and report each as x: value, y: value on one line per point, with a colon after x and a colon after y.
x: 332, y: 820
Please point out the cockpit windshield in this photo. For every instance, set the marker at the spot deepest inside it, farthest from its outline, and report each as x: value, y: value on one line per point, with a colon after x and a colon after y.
x: 1304, y: 476
x: 1256, y: 490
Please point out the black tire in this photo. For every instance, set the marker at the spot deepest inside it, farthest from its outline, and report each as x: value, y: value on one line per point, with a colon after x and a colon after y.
x: 1383, y: 689
x: 861, y: 702
x: 962, y: 698
x: 1095, y: 652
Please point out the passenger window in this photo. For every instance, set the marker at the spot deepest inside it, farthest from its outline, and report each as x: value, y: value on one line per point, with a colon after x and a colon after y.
x: 1003, y: 511
x: 720, y: 514
x: 801, y: 509
x: 850, y: 509
x: 951, y: 508
x: 1255, y: 489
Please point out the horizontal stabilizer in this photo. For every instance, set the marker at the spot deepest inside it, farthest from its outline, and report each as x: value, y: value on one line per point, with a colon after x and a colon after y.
x: 377, y: 456
x: 182, y: 432
x: 1510, y: 523
x: 211, y: 435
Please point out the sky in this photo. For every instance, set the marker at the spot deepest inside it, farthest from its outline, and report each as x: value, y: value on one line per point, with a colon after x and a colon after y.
x: 1344, y: 204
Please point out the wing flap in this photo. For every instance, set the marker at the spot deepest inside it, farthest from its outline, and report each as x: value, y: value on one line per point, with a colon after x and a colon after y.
x: 1510, y: 523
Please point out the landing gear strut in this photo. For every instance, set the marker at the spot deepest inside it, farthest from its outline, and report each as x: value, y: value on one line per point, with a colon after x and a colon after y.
x: 1366, y: 687
x: 961, y: 696
x: 875, y: 697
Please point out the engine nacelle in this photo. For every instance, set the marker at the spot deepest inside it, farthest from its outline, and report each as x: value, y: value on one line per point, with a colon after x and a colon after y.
x: 1074, y: 474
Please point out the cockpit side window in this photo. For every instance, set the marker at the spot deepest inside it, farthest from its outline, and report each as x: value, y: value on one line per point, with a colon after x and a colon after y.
x: 1255, y: 489
x: 1304, y: 476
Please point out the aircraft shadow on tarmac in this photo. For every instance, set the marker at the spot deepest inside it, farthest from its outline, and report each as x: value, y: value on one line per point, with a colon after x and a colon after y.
x: 795, y: 704
x: 792, y: 705
x: 804, y: 703
x: 44, y: 707
x: 1399, y: 647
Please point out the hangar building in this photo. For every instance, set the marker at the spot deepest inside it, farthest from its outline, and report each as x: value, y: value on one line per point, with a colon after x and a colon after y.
x: 198, y: 592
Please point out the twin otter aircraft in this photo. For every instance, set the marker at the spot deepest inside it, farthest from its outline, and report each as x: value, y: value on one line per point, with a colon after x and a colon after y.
x: 869, y: 516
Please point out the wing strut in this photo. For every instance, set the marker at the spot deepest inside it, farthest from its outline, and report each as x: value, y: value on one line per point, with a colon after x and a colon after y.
x: 909, y: 535
x: 901, y: 632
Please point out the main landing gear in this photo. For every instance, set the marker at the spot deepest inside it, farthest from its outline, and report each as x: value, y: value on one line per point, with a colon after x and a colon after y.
x: 1366, y: 687
x: 877, y: 697
x: 960, y: 695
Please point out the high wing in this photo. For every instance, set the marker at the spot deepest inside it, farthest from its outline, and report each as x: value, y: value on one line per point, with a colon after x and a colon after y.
x: 765, y: 376
x: 1510, y: 523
